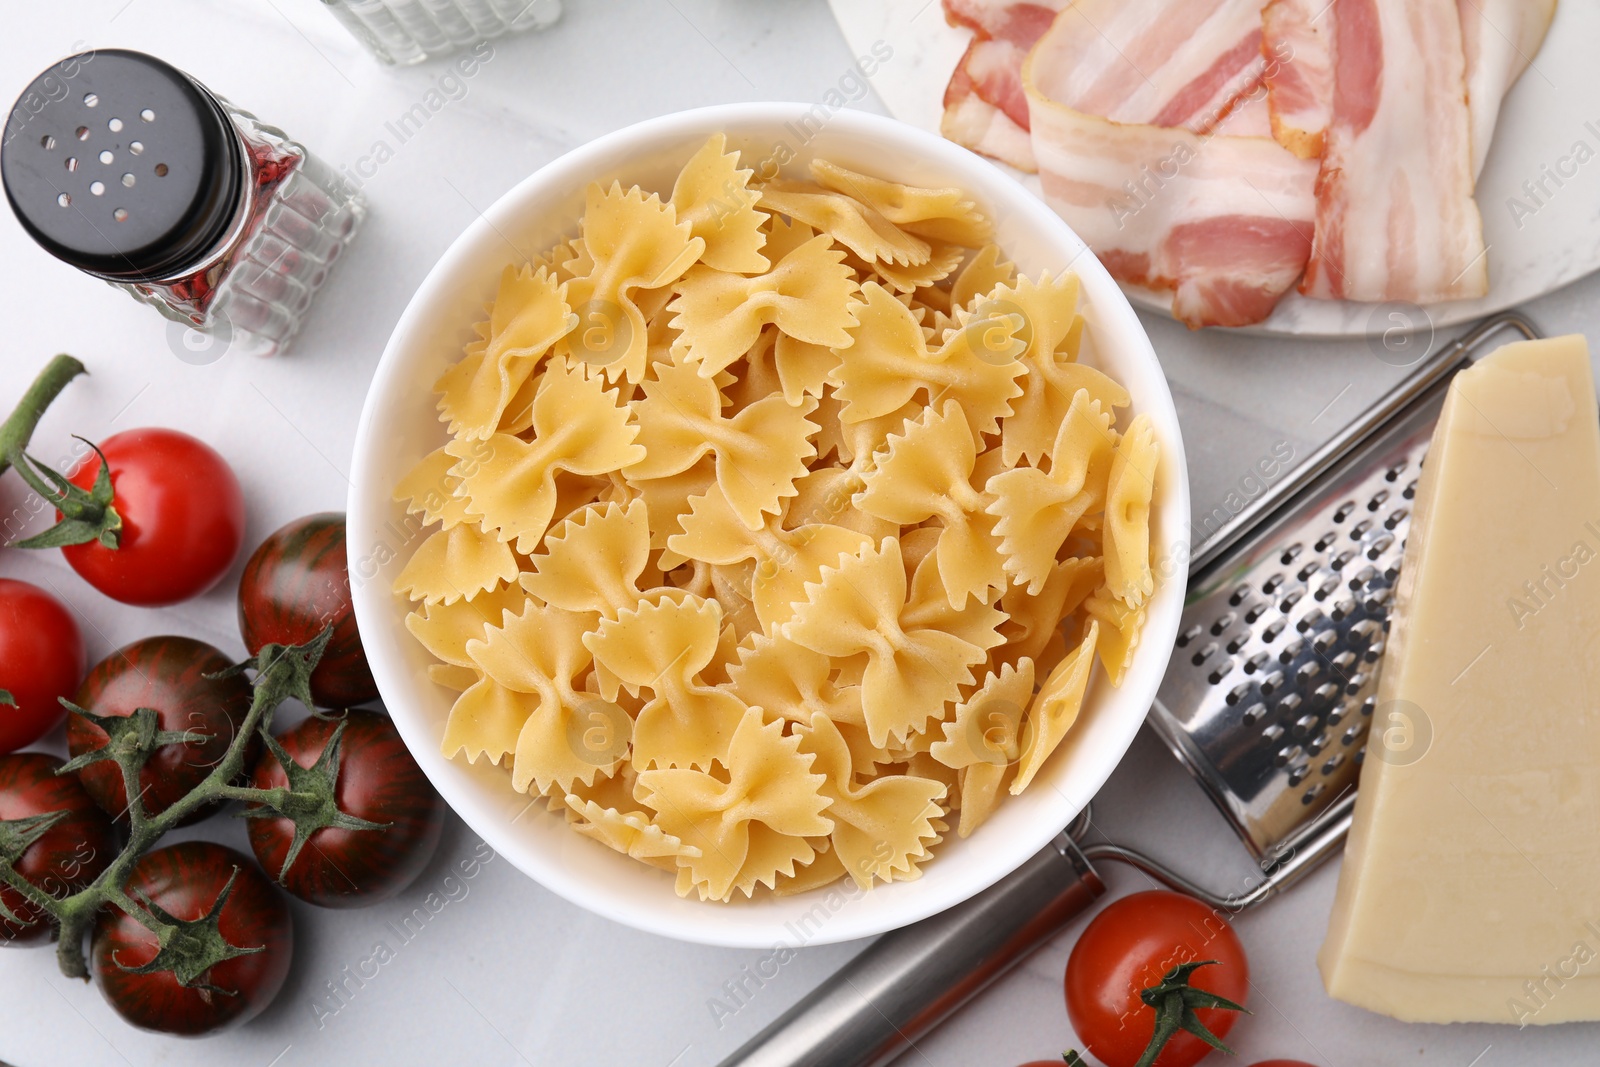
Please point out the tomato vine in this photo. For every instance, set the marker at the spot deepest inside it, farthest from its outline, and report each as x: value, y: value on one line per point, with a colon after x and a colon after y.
x: 280, y: 672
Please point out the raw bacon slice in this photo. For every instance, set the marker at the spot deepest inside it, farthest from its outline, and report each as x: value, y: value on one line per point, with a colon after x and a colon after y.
x: 984, y: 105
x: 1499, y: 39
x: 1395, y: 216
x: 992, y: 70
x: 1222, y: 222
x: 1153, y: 62
x: 1297, y: 42
x: 973, y: 122
x: 1021, y: 23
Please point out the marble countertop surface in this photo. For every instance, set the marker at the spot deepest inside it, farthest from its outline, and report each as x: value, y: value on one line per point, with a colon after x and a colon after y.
x: 504, y: 972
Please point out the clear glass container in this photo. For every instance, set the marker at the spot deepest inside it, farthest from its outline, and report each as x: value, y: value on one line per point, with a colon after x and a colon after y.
x: 296, y: 217
x: 410, y: 31
x: 123, y: 166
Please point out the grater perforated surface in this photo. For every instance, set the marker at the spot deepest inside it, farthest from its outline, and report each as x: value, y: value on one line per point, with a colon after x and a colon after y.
x: 1272, y: 686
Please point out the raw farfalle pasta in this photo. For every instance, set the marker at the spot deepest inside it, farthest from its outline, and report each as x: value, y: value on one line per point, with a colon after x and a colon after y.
x: 632, y: 242
x: 926, y: 471
x: 889, y: 363
x: 529, y: 314
x: 779, y: 527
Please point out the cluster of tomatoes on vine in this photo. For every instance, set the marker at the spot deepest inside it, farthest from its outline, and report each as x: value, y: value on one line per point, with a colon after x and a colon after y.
x: 168, y: 731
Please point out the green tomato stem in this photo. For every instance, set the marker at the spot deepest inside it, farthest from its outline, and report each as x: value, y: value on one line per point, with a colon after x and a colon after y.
x: 17, y: 430
x: 281, y: 672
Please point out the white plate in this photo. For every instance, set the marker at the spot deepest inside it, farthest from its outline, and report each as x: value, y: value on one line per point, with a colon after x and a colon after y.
x: 399, y: 426
x: 1553, y: 109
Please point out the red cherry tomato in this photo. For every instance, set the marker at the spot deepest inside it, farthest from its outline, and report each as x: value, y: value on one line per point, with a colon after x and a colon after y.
x: 185, y: 881
x: 169, y: 675
x: 1128, y: 948
x: 41, y: 660
x: 182, y: 518
x: 295, y: 585
x: 378, y: 781
x: 69, y: 855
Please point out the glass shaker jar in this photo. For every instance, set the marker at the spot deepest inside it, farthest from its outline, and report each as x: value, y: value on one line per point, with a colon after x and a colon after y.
x: 123, y: 166
x: 409, y: 31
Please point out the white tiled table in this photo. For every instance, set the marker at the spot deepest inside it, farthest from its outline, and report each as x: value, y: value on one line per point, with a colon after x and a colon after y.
x: 506, y: 973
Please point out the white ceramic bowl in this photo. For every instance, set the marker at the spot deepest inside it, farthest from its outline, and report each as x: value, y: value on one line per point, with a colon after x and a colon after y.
x: 399, y: 426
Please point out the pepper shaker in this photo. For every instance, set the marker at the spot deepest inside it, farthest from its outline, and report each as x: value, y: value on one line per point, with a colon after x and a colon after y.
x: 123, y: 166
x: 410, y: 31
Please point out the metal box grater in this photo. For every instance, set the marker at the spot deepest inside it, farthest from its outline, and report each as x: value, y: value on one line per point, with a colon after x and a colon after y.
x: 1272, y: 686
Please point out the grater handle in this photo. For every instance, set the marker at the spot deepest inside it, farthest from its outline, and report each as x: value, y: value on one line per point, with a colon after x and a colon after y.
x: 911, y: 979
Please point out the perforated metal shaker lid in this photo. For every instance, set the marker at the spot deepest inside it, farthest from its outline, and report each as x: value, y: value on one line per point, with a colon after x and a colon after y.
x: 121, y: 165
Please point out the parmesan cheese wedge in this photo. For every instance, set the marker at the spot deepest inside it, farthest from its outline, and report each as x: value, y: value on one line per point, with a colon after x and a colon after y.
x: 1470, y: 890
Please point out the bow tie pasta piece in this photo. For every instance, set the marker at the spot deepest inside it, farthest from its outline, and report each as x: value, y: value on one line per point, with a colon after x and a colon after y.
x: 987, y: 726
x: 630, y: 833
x: 786, y: 559
x: 912, y: 671
x: 878, y: 826
x: 663, y: 646
x: 1038, y: 510
x: 566, y: 735
x: 1127, y: 529
x: 1120, y: 625
x: 984, y: 740
x: 444, y: 629
x: 713, y: 195
x: 760, y: 451
x: 789, y: 680
x: 430, y: 490
x: 936, y: 214
x: 592, y: 561
x: 1053, y: 327
x: 889, y: 363
x: 1055, y: 708
x: 770, y: 783
x: 510, y: 484
x: 983, y: 273
x: 529, y: 314
x: 860, y: 228
x: 926, y: 472
x: 485, y: 721
x: 809, y: 294
x: 636, y: 242
x: 462, y: 561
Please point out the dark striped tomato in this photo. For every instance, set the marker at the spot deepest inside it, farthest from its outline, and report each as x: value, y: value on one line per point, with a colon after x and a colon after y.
x: 185, y: 881
x: 69, y: 855
x: 378, y: 781
x: 169, y: 675
x: 294, y: 586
